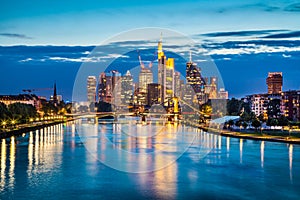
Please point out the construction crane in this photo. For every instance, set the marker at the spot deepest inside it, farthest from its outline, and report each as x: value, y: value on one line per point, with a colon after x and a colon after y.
x: 141, y: 62
x: 36, y: 89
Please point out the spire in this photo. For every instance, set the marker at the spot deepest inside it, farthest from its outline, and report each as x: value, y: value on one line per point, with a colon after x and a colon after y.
x: 54, y: 91
x: 160, y: 37
x: 128, y: 73
x: 190, y: 57
x: 160, y: 44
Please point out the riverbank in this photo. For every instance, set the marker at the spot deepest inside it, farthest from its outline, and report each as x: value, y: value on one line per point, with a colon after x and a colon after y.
x: 252, y: 136
x: 30, y: 127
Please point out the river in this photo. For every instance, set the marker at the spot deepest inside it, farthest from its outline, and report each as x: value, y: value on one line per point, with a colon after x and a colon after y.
x: 80, y: 160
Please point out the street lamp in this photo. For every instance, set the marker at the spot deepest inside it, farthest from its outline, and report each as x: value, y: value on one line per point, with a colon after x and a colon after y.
x: 4, y: 124
x: 13, y: 122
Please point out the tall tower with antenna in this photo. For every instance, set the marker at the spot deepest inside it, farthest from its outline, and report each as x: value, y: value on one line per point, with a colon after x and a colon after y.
x: 165, y: 74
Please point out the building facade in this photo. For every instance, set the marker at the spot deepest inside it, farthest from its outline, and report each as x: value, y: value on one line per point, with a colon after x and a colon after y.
x: 91, y: 89
x: 274, y: 82
x: 153, y: 93
x: 127, y: 89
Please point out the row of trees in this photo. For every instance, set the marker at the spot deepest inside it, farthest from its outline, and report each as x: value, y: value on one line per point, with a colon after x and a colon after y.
x: 17, y: 111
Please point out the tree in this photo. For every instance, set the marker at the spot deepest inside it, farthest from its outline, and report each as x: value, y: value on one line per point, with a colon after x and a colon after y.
x: 49, y: 108
x: 103, y: 106
x: 272, y: 122
x: 230, y: 123
x: 245, y: 117
x: 233, y: 106
x: 256, y: 123
x: 238, y: 123
x: 245, y: 125
x: 261, y: 118
x: 4, y: 113
x: 283, y: 121
x: 22, y: 112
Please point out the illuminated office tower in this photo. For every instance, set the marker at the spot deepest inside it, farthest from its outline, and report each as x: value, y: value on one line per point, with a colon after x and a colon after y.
x: 116, y: 88
x: 165, y: 74
x: 102, y: 87
x: 274, y: 82
x: 194, y: 78
x: 145, y: 78
x: 153, y: 93
x: 222, y: 94
x: 211, y: 88
x: 177, y: 84
x: 91, y: 89
x: 108, y: 88
x: 127, y: 89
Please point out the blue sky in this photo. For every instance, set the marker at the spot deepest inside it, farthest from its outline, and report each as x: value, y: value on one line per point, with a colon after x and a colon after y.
x: 246, y: 39
x: 76, y: 23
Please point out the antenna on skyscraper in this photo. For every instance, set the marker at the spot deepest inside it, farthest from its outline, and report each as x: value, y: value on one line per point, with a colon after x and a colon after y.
x: 190, y: 56
x: 160, y: 37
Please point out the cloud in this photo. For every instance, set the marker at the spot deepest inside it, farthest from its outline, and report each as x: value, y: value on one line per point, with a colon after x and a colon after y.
x: 239, y: 33
x: 26, y: 60
x: 290, y: 34
x: 293, y: 7
x: 253, y: 50
x: 91, y: 59
x: 286, y: 56
x: 15, y: 35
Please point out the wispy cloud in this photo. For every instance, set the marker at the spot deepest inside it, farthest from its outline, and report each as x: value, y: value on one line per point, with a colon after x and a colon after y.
x: 15, y: 35
x: 240, y: 33
x: 91, y: 59
x: 290, y: 34
x: 293, y: 7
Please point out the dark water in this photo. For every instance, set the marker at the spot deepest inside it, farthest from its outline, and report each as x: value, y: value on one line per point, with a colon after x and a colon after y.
x: 66, y: 162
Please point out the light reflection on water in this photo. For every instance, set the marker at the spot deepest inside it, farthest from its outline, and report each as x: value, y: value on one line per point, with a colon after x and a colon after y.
x: 55, y: 158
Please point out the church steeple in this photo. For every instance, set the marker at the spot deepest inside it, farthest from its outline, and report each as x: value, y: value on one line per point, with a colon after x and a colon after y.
x: 54, y: 94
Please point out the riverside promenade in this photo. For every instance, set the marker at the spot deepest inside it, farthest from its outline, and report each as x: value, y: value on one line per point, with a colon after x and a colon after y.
x: 30, y: 127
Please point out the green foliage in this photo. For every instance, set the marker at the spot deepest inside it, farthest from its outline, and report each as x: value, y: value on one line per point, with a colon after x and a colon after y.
x: 49, y: 108
x: 103, y: 107
x: 238, y: 123
x: 4, y: 112
x: 236, y: 107
x: 22, y: 112
x: 283, y: 121
x: 272, y: 122
x: 245, y: 125
x: 256, y: 123
x: 230, y: 123
x: 233, y: 106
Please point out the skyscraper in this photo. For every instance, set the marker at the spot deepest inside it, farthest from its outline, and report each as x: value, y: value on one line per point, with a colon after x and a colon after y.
x: 127, y: 89
x: 194, y: 78
x: 153, y: 93
x: 102, y: 87
x: 145, y: 78
x: 274, y: 82
x: 177, y: 84
x: 165, y: 74
x: 91, y: 89
x: 116, y: 88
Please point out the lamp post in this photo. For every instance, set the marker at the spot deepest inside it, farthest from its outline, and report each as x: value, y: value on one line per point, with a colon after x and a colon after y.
x: 13, y: 122
x: 4, y: 124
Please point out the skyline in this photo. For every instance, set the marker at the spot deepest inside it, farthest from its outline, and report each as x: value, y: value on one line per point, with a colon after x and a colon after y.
x: 44, y: 43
